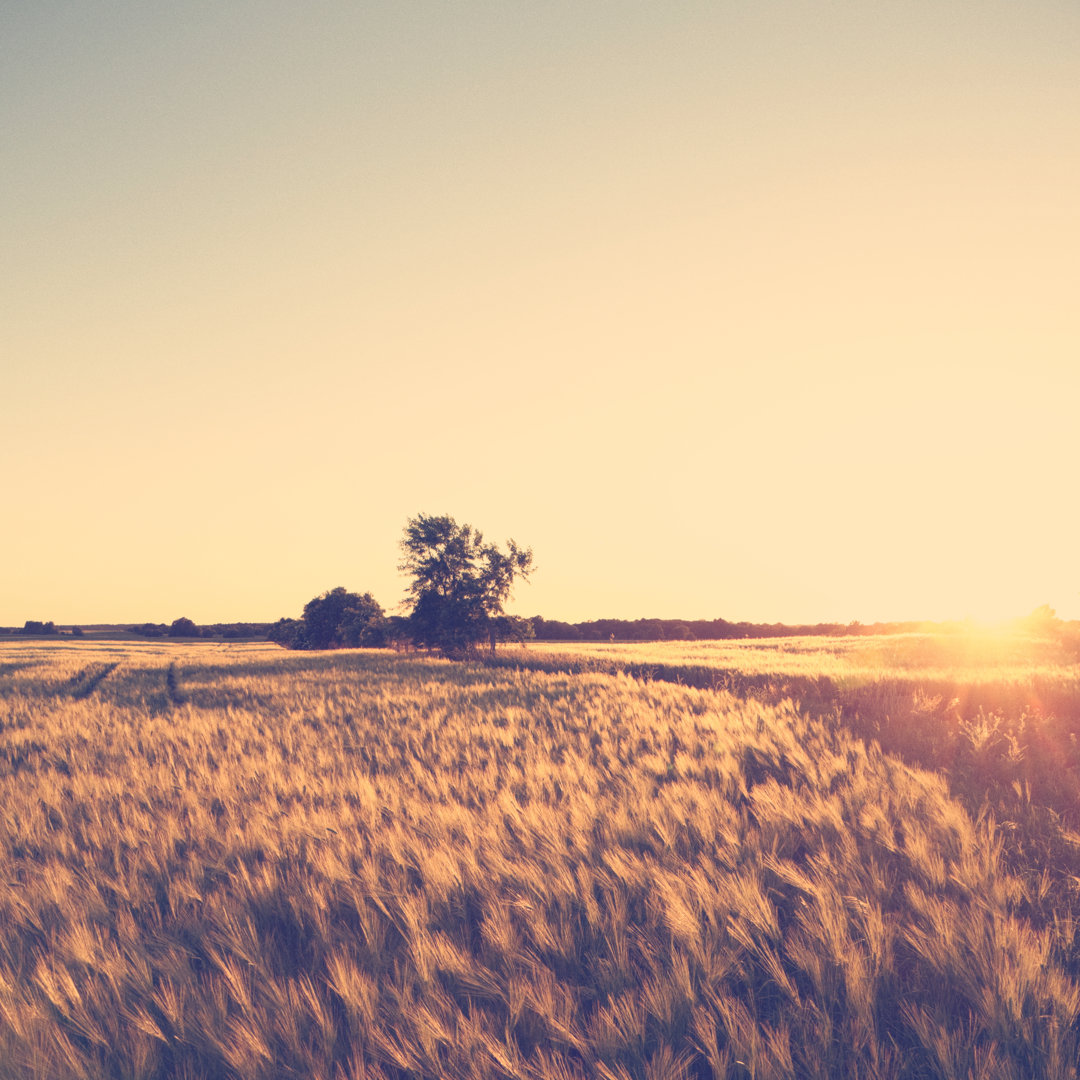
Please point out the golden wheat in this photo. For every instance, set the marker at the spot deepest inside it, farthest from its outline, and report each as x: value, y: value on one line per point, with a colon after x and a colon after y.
x: 363, y: 865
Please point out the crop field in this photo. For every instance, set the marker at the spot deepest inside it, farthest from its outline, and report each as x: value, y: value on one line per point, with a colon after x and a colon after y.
x: 999, y: 710
x: 973, y: 656
x: 789, y: 858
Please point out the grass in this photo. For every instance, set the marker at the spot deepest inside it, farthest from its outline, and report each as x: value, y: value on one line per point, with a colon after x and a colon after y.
x: 237, y: 862
x: 1004, y: 707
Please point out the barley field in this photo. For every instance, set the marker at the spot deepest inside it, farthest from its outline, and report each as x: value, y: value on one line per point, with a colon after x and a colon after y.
x: 837, y: 858
x: 999, y: 711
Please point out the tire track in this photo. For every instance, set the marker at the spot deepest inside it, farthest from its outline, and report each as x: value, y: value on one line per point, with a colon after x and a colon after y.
x: 83, y: 683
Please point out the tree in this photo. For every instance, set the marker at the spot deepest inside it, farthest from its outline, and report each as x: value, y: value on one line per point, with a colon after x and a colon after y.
x: 183, y: 627
x: 335, y: 620
x: 288, y: 633
x: 1043, y: 620
x: 343, y: 619
x: 459, y: 583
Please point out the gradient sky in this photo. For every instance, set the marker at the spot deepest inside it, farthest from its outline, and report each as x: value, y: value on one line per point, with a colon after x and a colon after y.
x: 766, y: 311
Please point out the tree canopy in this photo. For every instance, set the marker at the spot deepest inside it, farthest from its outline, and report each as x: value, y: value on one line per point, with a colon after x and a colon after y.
x: 459, y: 583
x: 345, y: 619
x: 336, y: 619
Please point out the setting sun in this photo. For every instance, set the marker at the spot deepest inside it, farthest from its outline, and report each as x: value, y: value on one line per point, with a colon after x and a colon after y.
x: 540, y: 540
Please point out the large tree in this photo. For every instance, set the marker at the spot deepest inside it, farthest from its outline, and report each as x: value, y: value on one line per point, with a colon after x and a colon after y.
x: 459, y: 583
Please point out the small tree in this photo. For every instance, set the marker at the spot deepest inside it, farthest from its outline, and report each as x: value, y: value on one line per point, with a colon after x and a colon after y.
x: 340, y: 618
x: 183, y: 627
x: 514, y: 628
x: 459, y: 583
x: 289, y: 633
x: 337, y: 619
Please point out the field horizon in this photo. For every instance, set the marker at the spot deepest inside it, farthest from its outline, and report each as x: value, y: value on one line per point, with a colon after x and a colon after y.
x: 1041, y: 621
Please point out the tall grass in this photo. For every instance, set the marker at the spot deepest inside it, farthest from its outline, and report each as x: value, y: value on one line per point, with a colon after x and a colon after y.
x: 1000, y: 713
x: 359, y: 865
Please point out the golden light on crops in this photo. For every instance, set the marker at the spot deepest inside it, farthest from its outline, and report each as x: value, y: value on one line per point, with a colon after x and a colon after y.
x: 235, y: 859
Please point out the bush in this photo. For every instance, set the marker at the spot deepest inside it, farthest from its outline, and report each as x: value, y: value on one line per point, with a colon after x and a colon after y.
x: 336, y: 620
x: 288, y: 633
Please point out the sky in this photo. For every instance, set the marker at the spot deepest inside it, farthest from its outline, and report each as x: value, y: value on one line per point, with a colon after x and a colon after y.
x: 761, y: 311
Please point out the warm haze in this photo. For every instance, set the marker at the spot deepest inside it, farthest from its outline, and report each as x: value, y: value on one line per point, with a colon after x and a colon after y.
x: 757, y: 311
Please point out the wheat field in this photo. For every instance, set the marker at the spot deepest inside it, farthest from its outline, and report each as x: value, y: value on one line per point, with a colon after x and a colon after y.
x: 231, y: 861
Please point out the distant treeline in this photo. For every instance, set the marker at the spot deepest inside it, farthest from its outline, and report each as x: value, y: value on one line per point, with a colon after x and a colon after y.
x: 178, y: 628
x: 36, y: 628
x: 185, y: 628
x: 698, y: 629
x: 339, y: 619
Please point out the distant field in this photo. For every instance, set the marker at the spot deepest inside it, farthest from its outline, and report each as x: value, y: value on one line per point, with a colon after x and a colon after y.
x: 233, y: 861
x: 972, y: 656
x: 998, y: 709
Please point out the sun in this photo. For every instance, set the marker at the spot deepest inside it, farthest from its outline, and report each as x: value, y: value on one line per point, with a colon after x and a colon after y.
x: 1005, y: 612
x: 991, y: 634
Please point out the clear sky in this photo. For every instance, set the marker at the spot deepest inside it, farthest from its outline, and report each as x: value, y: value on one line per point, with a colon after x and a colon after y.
x: 764, y: 311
